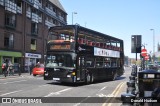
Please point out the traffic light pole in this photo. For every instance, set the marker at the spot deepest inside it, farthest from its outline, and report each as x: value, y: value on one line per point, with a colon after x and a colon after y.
x: 136, y: 61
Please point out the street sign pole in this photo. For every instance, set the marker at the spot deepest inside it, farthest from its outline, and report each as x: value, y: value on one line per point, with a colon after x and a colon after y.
x: 136, y: 47
x: 144, y: 54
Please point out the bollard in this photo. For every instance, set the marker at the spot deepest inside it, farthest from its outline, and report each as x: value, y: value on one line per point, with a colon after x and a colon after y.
x: 131, y: 87
x: 132, y: 77
x: 134, y: 71
x: 131, y: 90
x: 133, y: 74
x: 131, y: 83
x: 127, y: 99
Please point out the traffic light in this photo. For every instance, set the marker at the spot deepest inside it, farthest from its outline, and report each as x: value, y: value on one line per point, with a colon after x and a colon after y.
x: 136, y: 44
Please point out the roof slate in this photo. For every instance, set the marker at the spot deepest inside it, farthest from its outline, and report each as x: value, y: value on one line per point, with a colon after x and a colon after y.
x: 58, y: 4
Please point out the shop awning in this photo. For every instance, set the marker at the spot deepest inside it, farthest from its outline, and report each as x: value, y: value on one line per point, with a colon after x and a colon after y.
x: 10, y: 53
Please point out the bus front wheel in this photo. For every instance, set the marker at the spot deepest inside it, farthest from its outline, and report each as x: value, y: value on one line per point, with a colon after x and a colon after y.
x: 88, y: 78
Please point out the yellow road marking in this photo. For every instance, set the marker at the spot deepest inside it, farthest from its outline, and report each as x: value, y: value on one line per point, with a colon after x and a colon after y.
x: 114, y: 93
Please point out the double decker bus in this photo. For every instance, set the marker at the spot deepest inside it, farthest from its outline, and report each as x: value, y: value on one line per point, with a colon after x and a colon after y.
x: 78, y: 54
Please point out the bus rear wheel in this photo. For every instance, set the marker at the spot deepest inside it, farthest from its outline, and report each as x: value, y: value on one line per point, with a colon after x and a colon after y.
x: 114, y: 76
x: 92, y: 78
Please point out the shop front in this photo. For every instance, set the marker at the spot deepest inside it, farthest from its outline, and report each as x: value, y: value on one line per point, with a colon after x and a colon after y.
x: 30, y: 60
x: 14, y: 57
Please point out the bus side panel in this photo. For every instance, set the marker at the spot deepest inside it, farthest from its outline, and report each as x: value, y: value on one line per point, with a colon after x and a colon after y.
x: 120, y: 71
x: 101, y: 73
x: 93, y: 72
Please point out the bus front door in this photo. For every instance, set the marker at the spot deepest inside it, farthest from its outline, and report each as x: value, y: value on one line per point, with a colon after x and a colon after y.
x: 81, y: 68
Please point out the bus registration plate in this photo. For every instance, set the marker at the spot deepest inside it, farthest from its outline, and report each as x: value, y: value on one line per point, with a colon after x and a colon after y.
x: 56, y: 79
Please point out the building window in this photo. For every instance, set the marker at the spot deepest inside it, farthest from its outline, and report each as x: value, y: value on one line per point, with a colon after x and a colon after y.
x: 35, y: 17
x: 33, y: 44
x: 28, y: 12
x: 54, y: 21
x: 54, y: 9
x: 2, y: 2
x: 34, y: 28
x: 40, y: 3
x: 40, y: 17
x: 8, y: 40
x: 31, y: 1
x: 50, y: 6
x: 11, y: 6
x: 50, y: 22
x: 10, y: 20
x: 19, y: 6
x: 50, y: 9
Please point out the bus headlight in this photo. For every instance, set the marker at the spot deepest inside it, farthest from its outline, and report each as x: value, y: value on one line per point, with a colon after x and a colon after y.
x: 68, y: 75
x: 73, y: 73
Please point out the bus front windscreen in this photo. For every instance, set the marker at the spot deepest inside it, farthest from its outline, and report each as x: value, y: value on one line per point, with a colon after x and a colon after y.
x: 59, y: 60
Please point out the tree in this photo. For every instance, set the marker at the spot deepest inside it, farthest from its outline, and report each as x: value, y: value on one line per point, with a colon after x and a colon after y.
x: 133, y: 61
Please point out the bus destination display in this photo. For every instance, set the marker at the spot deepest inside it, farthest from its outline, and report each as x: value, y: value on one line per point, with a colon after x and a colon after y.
x: 60, y: 47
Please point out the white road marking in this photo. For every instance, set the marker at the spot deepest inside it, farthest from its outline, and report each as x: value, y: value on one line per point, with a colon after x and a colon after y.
x: 11, y: 92
x: 24, y: 76
x: 110, y: 95
x: 77, y: 104
x: 31, y: 76
x: 57, y: 93
x: 81, y: 101
x: 101, y: 95
x: 13, y: 82
x: 103, y: 88
x: 43, y: 85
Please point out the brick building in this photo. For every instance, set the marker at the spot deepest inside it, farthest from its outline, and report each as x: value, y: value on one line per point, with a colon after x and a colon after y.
x: 24, y: 28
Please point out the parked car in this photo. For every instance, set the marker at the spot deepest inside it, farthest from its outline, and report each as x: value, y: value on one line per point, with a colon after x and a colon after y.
x: 38, y: 70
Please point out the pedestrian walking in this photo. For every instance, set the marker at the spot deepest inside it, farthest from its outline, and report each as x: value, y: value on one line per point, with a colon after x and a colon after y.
x: 38, y: 64
x: 10, y: 69
x: 31, y: 68
x: 5, y: 67
x: 19, y: 69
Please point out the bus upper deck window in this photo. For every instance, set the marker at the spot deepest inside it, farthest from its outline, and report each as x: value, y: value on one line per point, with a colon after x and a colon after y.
x: 71, y: 40
x: 81, y: 41
x: 89, y: 43
x: 145, y: 76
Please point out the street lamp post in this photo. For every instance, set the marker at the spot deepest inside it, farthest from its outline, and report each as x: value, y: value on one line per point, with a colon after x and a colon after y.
x: 72, y: 16
x: 153, y: 42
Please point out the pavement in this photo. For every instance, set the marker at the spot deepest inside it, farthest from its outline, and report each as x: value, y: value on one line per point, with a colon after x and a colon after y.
x: 14, y: 76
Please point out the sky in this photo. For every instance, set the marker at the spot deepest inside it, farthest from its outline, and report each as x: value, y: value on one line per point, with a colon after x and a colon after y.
x: 118, y: 18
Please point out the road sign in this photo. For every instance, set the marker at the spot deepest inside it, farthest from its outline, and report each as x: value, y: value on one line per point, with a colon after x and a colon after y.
x: 144, y: 52
x: 146, y: 57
